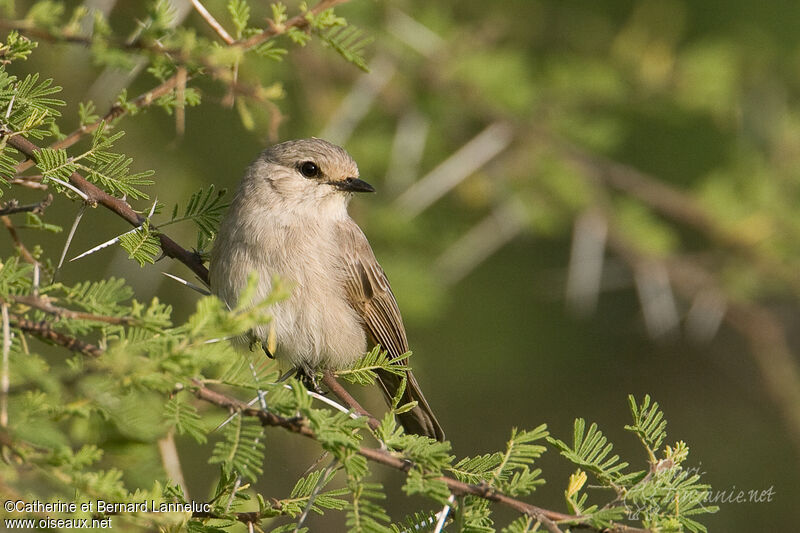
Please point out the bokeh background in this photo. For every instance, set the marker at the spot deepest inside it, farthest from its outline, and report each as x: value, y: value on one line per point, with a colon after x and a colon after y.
x: 576, y: 201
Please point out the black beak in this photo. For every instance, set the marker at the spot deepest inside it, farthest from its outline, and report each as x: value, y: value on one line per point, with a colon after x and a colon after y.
x: 353, y: 185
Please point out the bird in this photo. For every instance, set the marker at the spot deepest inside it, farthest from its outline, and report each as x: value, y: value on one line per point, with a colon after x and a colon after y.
x: 288, y: 218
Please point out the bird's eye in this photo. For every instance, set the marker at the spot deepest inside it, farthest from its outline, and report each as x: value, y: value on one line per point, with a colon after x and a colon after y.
x: 309, y: 169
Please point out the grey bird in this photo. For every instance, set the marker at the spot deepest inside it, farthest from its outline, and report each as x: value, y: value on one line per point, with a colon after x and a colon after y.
x: 289, y: 218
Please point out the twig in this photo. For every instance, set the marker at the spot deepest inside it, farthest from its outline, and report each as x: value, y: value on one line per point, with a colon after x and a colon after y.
x: 209, y: 18
x: 31, y: 182
x: 147, y: 98
x: 96, y: 195
x: 43, y: 304
x: 672, y: 203
x: 116, y: 111
x: 384, y: 457
x: 340, y: 392
x: 26, y: 254
x: 11, y: 207
x: 299, y: 21
x: 43, y: 331
x: 466, y: 160
x: 180, y: 108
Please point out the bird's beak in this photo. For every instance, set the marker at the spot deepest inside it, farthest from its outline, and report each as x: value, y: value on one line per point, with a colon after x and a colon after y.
x: 353, y: 185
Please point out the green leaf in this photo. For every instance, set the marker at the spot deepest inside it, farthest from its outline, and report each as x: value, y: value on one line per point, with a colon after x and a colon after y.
x: 242, y: 448
x: 648, y: 424
x: 205, y: 208
x: 590, y: 450
x: 240, y: 14
x: 477, y: 469
x: 350, y: 42
x: 364, y: 514
x: 34, y: 221
x: 364, y: 372
x: 141, y: 244
x: 184, y: 417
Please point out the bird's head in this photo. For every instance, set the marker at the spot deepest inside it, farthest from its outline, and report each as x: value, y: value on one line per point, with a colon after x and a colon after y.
x: 307, y: 173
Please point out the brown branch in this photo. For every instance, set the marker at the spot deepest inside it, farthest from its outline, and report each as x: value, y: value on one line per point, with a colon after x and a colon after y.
x: 147, y: 98
x: 96, y: 195
x: 116, y: 111
x: 298, y: 21
x: 386, y: 458
x: 12, y: 230
x: 340, y: 392
x: 43, y: 304
x: 12, y: 206
x: 43, y: 331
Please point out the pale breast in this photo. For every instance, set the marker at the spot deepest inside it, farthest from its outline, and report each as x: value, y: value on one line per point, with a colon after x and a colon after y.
x: 315, y: 326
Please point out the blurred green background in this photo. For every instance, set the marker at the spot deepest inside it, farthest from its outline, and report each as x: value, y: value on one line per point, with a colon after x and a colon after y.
x: 576, y: 201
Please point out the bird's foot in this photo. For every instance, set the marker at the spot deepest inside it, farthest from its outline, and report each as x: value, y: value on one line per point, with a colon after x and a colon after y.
x: 308, y: 377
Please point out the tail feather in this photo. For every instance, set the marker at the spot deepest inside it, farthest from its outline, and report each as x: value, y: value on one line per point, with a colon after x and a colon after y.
x: 420, y: 420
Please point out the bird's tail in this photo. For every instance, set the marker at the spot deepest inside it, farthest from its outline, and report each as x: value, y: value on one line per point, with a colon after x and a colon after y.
x: 420, y: 420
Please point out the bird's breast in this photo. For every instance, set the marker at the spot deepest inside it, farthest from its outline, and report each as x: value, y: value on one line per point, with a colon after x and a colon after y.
x: 315, y: 326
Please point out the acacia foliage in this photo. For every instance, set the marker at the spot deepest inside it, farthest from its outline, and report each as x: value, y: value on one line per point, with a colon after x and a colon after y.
x: 119, y: 375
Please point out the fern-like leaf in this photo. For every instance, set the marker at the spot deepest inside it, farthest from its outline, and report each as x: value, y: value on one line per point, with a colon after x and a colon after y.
x: 477, y: 469
x: 648, y: 424
x: 364, y: 514
x: 520, y: 452
x: 590, y: 450
x: 205, y: 209
x: 349, y: 41
x: 242, y: 448
x: 363, y: 371
x: 183, y: 416
x: 141, y: 244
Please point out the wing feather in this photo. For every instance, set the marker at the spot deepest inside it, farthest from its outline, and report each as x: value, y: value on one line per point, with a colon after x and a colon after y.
x: 369, y: 292
x: 370, y: 295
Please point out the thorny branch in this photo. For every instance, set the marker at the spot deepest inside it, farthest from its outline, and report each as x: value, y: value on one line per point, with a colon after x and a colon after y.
x: 147, y: 98
x: 116, y: 111
x: 11, y: 207
x: 43, y: 331
x: 43, y: 303
x: 96, y: 195
x: 340, y: 392
x: 386, y: 458
x: 763, y: 331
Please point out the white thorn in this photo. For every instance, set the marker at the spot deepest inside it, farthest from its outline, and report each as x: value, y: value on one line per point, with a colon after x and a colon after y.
x: 201, y: 290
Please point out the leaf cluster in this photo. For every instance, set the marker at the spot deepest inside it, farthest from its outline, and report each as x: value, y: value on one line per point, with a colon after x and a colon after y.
x: 665, y: 496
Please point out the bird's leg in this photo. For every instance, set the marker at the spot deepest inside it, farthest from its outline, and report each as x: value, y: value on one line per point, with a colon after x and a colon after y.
x: 308, y: 376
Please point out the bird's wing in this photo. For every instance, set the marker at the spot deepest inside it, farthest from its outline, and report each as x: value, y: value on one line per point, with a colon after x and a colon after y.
x: 368, y: 291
